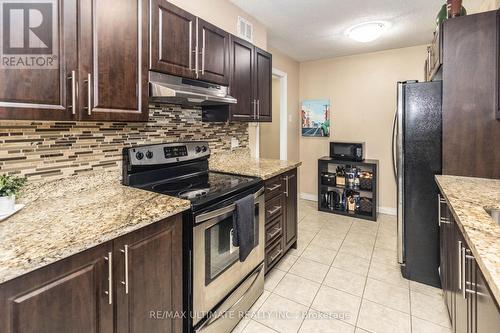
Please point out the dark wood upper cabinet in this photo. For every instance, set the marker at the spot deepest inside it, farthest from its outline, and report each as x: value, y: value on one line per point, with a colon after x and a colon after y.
x: 470, y: 96
x: 263, y: 88
x: 173, y: 40
x: 242, y: 80
x: 68, y: 296
x: 213, y: 53
x: 47, y: 92
x: 498, y: 62
x: 113, y: 56
x: 250, y: 84
x: 149, y: 277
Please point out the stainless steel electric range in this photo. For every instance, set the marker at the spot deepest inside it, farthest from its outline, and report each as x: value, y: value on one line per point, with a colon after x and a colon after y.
x: 219, y: 287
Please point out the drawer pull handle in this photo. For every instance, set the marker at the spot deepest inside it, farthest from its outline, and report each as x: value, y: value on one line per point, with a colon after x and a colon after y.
x: 274, y: 233
x: 125, y: 253
x: 275, y: 187
x: 109, y: 292
x: 276, y: 255
x: 275, y: 210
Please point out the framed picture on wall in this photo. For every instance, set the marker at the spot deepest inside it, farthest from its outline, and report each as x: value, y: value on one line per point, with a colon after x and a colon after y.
x: 315, y: 114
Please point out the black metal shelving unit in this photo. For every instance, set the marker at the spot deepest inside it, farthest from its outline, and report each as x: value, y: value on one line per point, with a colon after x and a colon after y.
x: 328, y: 165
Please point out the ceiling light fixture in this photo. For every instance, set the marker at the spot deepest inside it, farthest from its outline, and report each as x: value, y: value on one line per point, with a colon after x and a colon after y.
x: 366, y: 32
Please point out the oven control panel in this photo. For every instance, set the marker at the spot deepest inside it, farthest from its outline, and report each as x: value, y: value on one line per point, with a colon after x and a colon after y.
x: 166, y: 153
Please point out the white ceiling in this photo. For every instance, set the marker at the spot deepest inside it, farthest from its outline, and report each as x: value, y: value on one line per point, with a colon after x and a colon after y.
x: 315, y: 29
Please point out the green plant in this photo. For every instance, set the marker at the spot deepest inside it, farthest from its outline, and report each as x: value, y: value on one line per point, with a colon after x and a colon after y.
x: 11, y: 185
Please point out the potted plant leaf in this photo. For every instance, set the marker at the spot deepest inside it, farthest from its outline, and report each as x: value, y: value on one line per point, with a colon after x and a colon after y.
x: 9, y: 188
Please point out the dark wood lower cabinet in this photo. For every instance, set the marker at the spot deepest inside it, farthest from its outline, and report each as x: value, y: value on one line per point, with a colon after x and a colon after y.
x: 291, y: 223
x: 75, y: 295
x: 149, y: 278
x: 488, y: 318
x: 471, y: 304
x: 68, y: 296
x: 281, y: 216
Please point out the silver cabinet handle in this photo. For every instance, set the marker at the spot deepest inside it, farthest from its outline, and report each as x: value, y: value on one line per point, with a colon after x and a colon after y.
x: 72, y: 78
x: 254, y: 109
x: 196, y: 60
x: 275, y: 210
x: 190, y: 45
x: 272, y: 234
x: 258, y: 109
x: 203, y: 53
x: 464, y: 277
x: 441, y: 220
x: 109, y: 292
x: 466, y: 256
x: 439, y: 209
x: 275, y: 187
x: 275, y: 256
x: 286, y: 185
x: 89, y: 94
x: 125, y: 253
x: 459, y: 265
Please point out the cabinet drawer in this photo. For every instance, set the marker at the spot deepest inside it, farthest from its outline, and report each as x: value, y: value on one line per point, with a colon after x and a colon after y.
x: 274, y: 253
x: 274, y: 208
x: 274, y: 230
x: 274, y: 186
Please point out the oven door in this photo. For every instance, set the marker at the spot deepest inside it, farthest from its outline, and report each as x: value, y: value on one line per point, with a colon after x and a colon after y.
x: 217, y: 269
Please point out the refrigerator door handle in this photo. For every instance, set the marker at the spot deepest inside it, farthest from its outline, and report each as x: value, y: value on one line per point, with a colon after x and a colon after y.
x: 394, y: 147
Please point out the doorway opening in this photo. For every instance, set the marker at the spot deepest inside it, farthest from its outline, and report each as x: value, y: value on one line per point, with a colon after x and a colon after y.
x: 273, y: 136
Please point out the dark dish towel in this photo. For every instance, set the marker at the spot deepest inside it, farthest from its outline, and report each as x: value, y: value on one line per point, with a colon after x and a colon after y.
x: 244, y: 226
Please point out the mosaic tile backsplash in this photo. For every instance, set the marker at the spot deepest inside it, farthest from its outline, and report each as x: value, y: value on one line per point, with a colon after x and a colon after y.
x: 52, y: 150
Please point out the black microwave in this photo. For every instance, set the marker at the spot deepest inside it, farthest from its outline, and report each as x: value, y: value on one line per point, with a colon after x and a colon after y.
x: 350, y: 151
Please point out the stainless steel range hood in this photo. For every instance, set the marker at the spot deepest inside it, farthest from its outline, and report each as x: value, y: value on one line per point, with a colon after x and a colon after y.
x: 170, y: 89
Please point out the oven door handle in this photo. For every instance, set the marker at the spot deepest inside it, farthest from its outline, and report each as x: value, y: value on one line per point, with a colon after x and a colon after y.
x: 224, y: 210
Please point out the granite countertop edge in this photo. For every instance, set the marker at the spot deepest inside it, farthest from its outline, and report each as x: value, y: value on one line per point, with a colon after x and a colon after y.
x: 31, y: 241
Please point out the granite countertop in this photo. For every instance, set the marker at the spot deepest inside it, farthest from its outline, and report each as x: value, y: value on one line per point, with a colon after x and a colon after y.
x: 243, y: 164
x: 67, y: 216
x: 467, y: 198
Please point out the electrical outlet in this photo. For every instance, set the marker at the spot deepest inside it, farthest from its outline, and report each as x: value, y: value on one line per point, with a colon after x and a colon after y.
x: 235, y: 143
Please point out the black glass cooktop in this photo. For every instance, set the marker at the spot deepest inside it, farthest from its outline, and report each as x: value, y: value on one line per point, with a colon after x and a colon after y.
x: 205, y: 186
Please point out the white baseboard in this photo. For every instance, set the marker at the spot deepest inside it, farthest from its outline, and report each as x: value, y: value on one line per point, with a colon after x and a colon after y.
x: 381, y: 210
x: 309, y: 196
x: 388, y: 210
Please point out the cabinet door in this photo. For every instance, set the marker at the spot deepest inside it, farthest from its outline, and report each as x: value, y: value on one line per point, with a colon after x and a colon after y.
x: 242, y: 80
x: 173, y: 40
x: 291, y: 208
x: 263, y: 90
x: 213, y: 53
x: 47, y: 90
x: 149, y: 278
x: 68, y: 296
x: 113, y: 60
x: 461, y: 303
x: 444, y: 251
x: 488, y: 313
x: 498, y: 65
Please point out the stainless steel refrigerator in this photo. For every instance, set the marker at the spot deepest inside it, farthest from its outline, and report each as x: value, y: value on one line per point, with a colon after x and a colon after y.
x: 416, y: 159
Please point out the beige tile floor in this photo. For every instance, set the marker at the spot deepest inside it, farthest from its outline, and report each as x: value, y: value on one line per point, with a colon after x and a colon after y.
x: 344, y: 277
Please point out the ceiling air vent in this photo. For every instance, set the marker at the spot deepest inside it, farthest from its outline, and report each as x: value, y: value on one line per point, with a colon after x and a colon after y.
x: 245, y: 29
